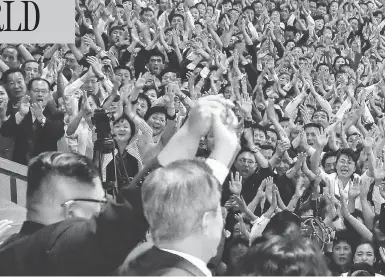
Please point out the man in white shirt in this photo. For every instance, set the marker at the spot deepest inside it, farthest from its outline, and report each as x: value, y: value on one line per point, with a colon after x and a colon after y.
x: 181, y: 203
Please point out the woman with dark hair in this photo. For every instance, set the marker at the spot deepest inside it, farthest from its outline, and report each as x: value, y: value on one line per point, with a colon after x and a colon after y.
x: 341, y: 256
x: 365, y: 253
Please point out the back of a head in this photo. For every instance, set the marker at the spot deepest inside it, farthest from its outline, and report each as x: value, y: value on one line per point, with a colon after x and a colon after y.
x: 45, y: 169
x: 283, y: 223
x: 361, y: 269
x: 176, y: 197
x: 284, y: 256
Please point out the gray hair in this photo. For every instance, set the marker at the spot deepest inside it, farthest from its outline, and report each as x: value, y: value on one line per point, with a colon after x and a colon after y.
x: 176, y: 197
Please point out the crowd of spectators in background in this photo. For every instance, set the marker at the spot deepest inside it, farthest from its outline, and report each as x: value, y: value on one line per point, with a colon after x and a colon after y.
x: 300, y: 84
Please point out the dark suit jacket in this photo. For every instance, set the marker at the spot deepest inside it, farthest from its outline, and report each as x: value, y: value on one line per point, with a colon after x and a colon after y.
x: 79, y: 246
x: 29, y: 142
x: 156, y: 262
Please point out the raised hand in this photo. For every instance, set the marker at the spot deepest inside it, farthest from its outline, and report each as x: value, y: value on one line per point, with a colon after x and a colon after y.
x: 96, y: 65
x: 24, y: 105
x: 240, y: 202
x: 246, y: 104
x: 305, y: 114
x: 269, y: 188
x: 355, y: 189
x: 89, y: 42
x: 368, y: 142
x: 140, y: 82
x: 37, y: 111
x: 322, y: 139
x: 235, y: 184
x: 379, y: 171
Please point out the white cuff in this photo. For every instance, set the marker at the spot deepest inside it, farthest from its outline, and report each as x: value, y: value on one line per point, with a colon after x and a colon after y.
x: 220, y: 171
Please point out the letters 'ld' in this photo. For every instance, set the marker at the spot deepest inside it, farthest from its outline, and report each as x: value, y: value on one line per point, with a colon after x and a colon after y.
x: 9, y: 9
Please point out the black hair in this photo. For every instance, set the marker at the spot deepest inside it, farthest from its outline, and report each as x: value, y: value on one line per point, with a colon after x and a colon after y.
x: 51, y: 164
x: 313, y: 125
x: 4, y: 77
x: 146, y: 98
x: 123, y: 67
x: 321, y: 110
x: 291, y: 29
x: 290, y: 255
x: 348, y: 152
x: 132, y: 124
x: 145, y: 10
x: 171, y: 16
x: 30, y: 83
x: 326, y: 156
x: 282, y: 223
x: 155, y: 53
x: 259, y: 127
x: 28, y: 61
x: 153, y: 110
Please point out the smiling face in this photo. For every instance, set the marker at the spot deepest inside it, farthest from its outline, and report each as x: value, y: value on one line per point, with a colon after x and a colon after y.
x: 321, y: 118
x: 157, y: 122
x: 195, y: 13
x: 15, y: 86
x: 151, y: 93
x: 259, y: 137
x: 122, y: 130
x: 3, y: 98
x: 345, y: 166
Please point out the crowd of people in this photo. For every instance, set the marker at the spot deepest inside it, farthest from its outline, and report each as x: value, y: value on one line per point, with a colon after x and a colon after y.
x: 280, y: 102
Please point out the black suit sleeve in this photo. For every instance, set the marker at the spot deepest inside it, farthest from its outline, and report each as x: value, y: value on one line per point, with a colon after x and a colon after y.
x: 78, y: 246
x: 53, y: 128
x: 9, y: 127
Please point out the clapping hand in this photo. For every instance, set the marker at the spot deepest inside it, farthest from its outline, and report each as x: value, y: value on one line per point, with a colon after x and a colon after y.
x: 37, y: 110
x: 24, y: 105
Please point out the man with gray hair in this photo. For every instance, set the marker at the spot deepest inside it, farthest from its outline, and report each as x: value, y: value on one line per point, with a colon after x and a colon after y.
x: 181, y: 203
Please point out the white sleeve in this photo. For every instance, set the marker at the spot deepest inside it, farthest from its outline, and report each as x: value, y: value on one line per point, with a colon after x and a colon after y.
x: 259, y: 226
x: 220, y: 171
x: 73, y: 87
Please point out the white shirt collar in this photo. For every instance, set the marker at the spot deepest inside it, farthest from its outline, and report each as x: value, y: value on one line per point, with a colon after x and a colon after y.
x: 201, y: 265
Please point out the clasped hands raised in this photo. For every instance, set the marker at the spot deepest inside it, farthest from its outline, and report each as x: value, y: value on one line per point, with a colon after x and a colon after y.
x: 214, y: 113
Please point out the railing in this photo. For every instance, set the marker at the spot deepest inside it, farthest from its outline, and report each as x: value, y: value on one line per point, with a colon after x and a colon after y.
x: 14, y: 172
x: 13, y: 190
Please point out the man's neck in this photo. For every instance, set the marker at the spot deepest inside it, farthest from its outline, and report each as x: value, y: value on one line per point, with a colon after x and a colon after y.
x: 188, y: 246
x: 40, y: 216
x: 344, y: 180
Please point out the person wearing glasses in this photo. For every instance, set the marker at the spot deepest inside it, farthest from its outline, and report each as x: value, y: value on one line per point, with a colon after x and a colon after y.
x: 252, y: 174
x: 37, y: 126
x: 72, y: 230
x: 70, y: 227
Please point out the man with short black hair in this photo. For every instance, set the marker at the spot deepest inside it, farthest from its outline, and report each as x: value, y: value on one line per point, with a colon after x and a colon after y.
x: 70, y: 227
x: 36, y: 126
